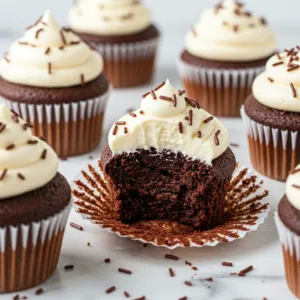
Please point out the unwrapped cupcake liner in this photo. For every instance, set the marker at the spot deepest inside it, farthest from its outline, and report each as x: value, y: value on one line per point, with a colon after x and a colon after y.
x: 246, y: 207
x: 219, y: 91
x: 274, y: 152
x: 70, y: 128
x: 291, y: 253
x: 128, y: 64
x: 29, y: 253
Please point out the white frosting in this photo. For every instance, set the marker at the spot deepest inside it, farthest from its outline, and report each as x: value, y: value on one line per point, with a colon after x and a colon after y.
x: 291, y: 189
x: 158, y: 126
x: 25, y: 159
x: 109, y: 17
x: 273, y: 88
x: 28, y: 63
x: 230, y: 34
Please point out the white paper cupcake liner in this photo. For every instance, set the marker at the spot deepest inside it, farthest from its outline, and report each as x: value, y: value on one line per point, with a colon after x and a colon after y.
x: 247, y: 207
x: 70, y: 128
x: 128, y: 64
x: 29, y: 252
x: 274, y: 152
x: 219, y: 91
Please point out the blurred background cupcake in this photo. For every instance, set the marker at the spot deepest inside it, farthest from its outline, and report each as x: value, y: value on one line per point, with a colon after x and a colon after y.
x: 55, y: 81
x: 122, y: 31
x: 223, y: 53
x: 288, y: 225
x: 272, y: 116
x: 34, y: 205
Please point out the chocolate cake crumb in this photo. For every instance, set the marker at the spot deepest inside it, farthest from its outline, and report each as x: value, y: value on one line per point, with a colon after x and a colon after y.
x: 171, y: 272
x: 188, y: 283
x: 121, y: 270
x: 126, y: 294
x: 69, y: 267
x: 76, y: 226
x: 110, y: 290
x: 107, y: 260
x: 245, y: 271
x: 227, y: 264
x: 171, y: 256
x: 39, y: 291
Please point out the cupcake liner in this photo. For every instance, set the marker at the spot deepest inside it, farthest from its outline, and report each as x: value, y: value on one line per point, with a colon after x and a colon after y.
x: 219, y: 91
x: 246, y: 208
x: 291, y: 253
x: 29, y: 253
x: 274, y: 152
x: 128, y: 64
x: 70, y: 128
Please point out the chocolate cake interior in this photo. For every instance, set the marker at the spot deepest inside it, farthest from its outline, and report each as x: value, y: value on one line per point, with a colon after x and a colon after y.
x: 150, y: 184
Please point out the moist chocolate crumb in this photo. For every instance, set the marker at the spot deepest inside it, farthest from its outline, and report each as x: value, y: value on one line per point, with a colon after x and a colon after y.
x: 39, y: 291
x: 171, y: 256
x: 145, y: 245
x: 76, y: 226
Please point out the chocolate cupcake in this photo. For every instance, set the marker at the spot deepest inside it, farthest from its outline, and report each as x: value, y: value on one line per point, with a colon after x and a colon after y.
x: 56, y: 82
x: 272, y: 117
x: 288, y: 225
x: 121, y: 30
x: 34, y: 205
x: 169, y: 160
x: 223, y: 53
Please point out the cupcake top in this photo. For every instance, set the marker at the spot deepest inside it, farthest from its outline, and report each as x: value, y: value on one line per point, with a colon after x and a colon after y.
x: 292, y: 188
x: 26, y: 162
x: 169, y: 120
x: 109, y: 17
x: 49, y: 56
x: 279, y: 86
x: 228, y: 32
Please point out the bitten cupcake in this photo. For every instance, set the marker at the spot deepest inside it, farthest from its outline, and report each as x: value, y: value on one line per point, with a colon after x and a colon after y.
x: 272, y: 116
x: 34, y: 205
x: 223, y: 53
x: 288, y: 225
x: 169, y: 160
x: 122, y: 31
x: 56, y: 82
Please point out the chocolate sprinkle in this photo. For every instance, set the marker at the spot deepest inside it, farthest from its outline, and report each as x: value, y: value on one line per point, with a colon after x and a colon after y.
x: 44, y: 154
x: 174, y: 100
x: 161, y: 85
x: 49, y: 68
x: 39, y: 291
x: 125, y: 130
x: 180, y: 93
x: 21, y: 176
x: 245, y: 271
x: 22, y: 43
x: 171, y: 256
x: 235, y: 28
x: 38, y: 33
x: 76, y: 226
x: 278, y: 55
x: 263, y: 21
x: 82, y: 79
x: 63, y: 37
x: 132, y: 114
x: 217, y: 142
x: 140, y: 298
x: 34, y: 142
x: 278, y: 64
x: 171, y: 272
x: 141, y: 112
x: 6, y: 58
x: 180, y: 127
x: 2, y: 175
x: 126, y: 294
x: 293, y: 90
x: 292, y: 68
x: 121, y: 270
x: 227, y: 264
x: 11, y: 146
x: 120, y: 123
x: 199, y: 134
x: 183, y: 298
x: 145, y: 95
x: 2, y: 127
x: 107, y: 260
x: 153, y: 94
x: 165, y: 98
x: 188, y: 283
x: 208, y: 119
x: 190, y: 102
x: 69, y: 267
x: 42, y: 138
x: 295, y: 171
x: 296, y: 186
x: 270, y: 79
x: 190, y: 117
x: 72, y: 43
x: 115, y: 130
x: 209, y: 279
x: 15, y: 118
x: 110, y: 290
x: 47, y: 50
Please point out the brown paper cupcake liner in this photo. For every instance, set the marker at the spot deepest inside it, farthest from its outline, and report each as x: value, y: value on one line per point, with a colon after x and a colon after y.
x: 291, y: 253
x: 29, y: 253
x: 70, y: 129
x: 246, y: 208
x: 128, y: 64
x: 219, y: 91
x: 273, y: 152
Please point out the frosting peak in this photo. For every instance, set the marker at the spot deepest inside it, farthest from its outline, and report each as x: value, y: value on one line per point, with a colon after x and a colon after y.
x: 279, y: 86
x: 109, y: 17
x: 26, y: 162
x: 49, y: 56
x: 167, y: 119
x: 228, y: 32
x: 292, y: 188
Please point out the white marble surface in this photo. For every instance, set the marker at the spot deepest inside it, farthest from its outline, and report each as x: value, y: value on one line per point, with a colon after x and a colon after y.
x: 91, y: 276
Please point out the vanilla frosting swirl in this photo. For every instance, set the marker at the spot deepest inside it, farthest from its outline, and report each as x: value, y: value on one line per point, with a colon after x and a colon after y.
x: 292, y: 188
x: 49, y: 56
x: 279, y: 86
x: 109, y: 17
x: 229, y: 33
x: 26, y: 162
x: 175, y: 123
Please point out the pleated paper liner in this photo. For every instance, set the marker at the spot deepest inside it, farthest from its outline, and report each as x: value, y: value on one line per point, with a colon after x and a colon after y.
x: 219, y: 91
x: 274, y: 152
x: 246, y: 208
